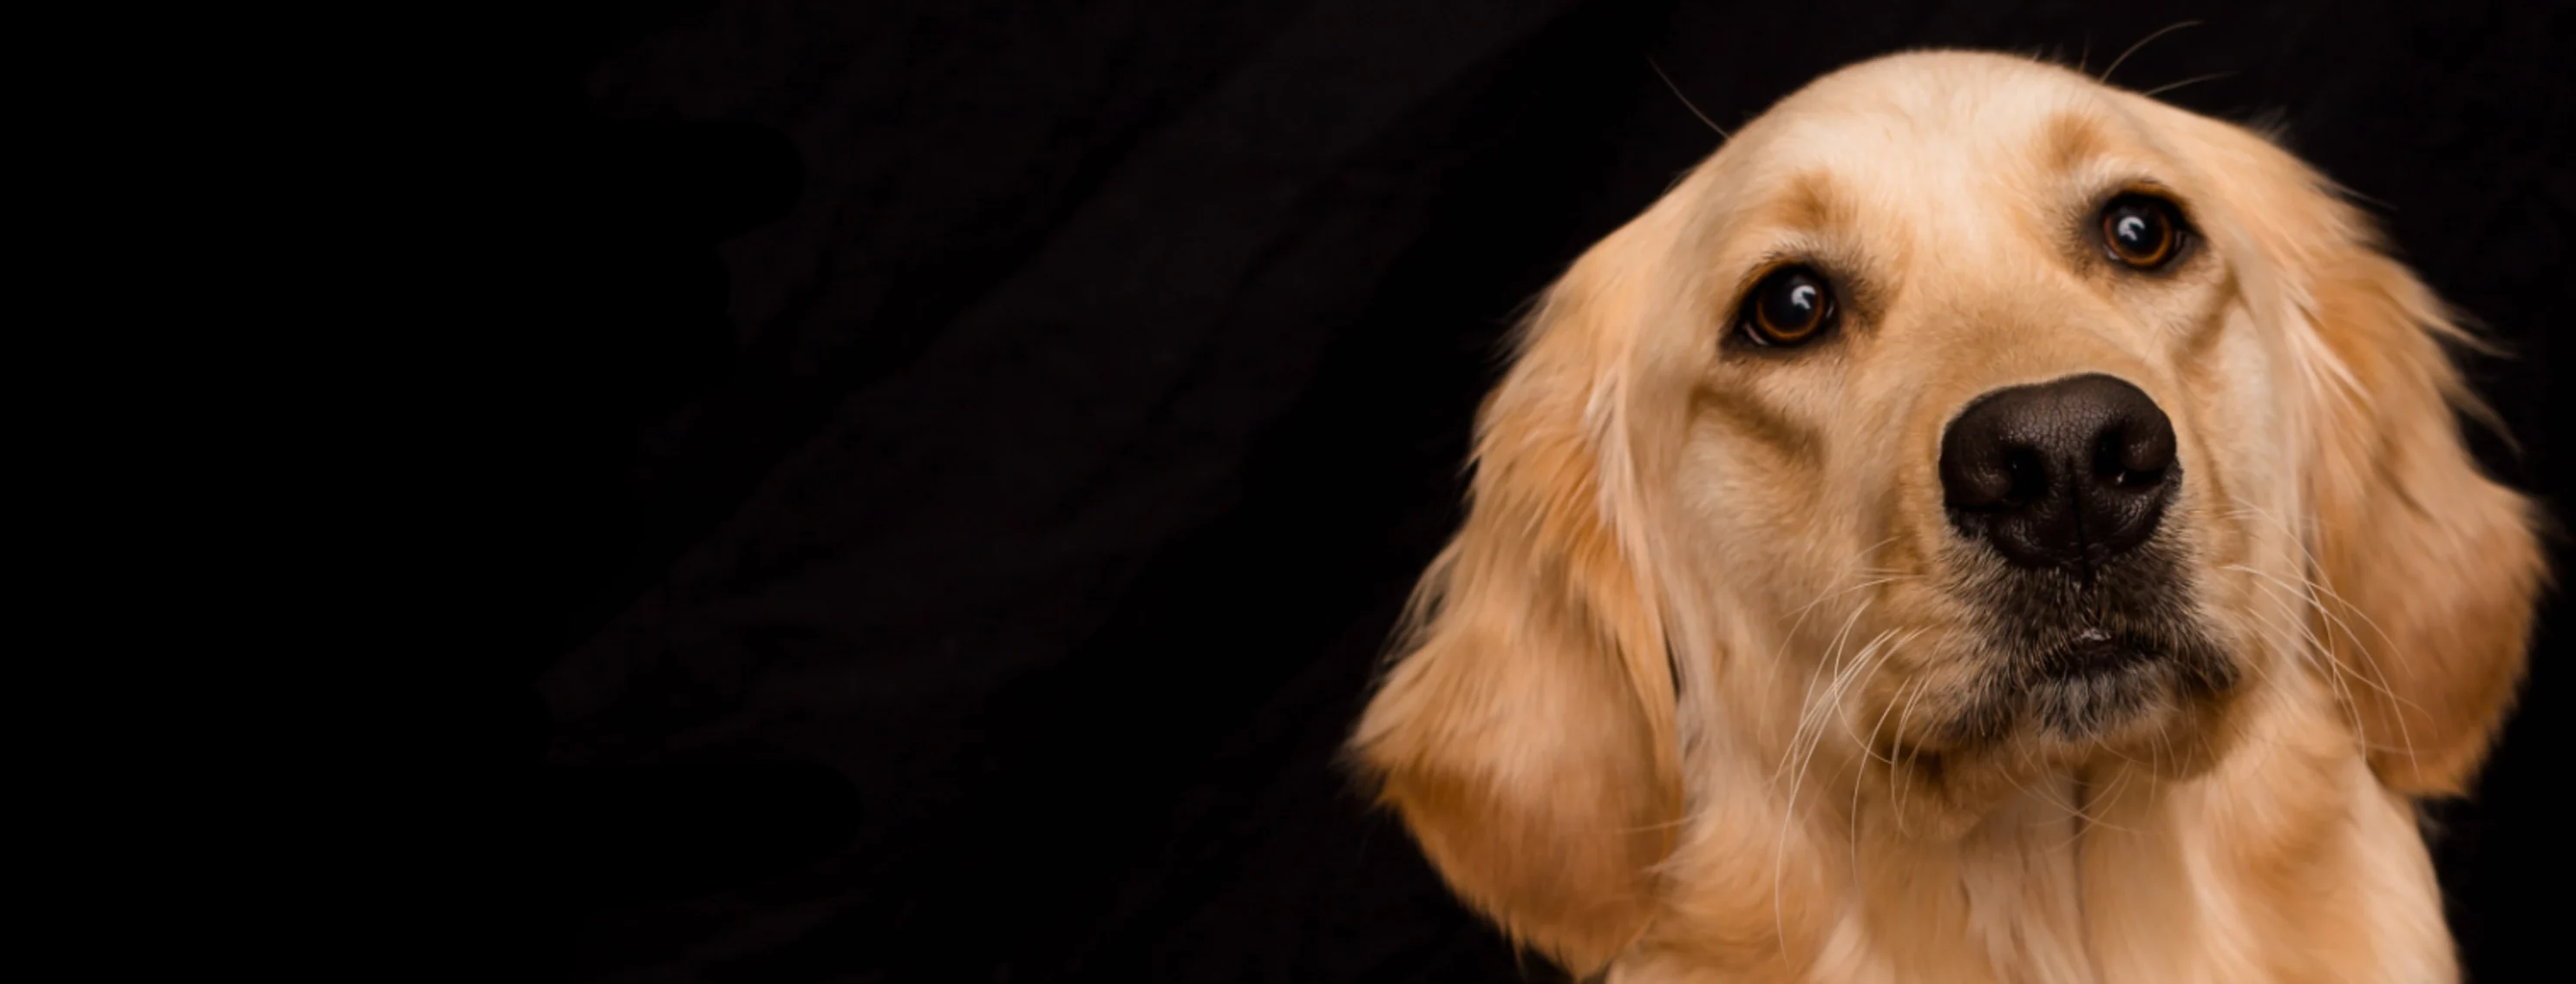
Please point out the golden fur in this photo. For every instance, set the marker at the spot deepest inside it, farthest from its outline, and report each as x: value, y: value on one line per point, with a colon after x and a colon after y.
x: 1661, y: 708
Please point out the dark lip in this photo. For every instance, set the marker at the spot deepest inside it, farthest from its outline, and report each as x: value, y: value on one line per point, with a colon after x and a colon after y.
x: 2073, y: 657
x: 2092, y: 651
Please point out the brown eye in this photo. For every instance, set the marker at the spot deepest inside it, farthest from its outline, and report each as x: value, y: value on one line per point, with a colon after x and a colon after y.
x: 2141, y: 231
x: 1792, y: 306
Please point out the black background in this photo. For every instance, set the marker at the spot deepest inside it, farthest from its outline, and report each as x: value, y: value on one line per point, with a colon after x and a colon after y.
x: 921, y: 485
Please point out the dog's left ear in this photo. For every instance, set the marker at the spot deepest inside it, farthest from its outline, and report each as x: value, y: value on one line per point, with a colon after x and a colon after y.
x: 2428, y: 570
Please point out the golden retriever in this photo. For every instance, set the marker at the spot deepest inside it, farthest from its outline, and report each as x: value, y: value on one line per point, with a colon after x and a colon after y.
x: 1979, y: 525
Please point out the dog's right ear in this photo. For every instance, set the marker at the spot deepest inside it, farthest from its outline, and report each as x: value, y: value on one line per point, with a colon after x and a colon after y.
x: 1525, y: 733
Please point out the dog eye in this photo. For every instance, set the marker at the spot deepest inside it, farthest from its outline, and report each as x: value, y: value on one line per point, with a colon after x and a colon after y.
x: 1792, y: 306
x: 2142, y: 232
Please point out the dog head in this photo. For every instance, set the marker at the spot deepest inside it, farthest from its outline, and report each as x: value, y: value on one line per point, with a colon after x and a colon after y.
x: 1991, y: 418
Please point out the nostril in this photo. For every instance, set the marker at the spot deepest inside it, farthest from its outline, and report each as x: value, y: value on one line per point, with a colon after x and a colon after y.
x: 2113, y: 465
x: 2134, y: 453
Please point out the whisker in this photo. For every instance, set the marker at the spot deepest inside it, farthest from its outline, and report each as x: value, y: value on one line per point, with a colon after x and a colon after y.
x: 2382, y: 684
x: 2105, y: 78
x: 2322, y: 662
x: 1800, y: 621
x: 2316, y: 585
x: 2171, y: 86
x: 1686, y: 103
x: 2335, y: 670
x: 1829, y: 709
x: 2092, y: 822
x: 1852, y: 816
x: 1896, y: 792
x: 1789, y: 811
x: 1869, y: 747
x: 1807, y: 704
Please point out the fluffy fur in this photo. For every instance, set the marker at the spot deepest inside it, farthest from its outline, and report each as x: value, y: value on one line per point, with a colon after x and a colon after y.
x: 1681, y: 701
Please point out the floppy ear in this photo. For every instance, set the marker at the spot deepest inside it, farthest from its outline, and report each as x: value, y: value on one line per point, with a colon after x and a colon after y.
x: 2428, y: 571
x: 1525, y: 733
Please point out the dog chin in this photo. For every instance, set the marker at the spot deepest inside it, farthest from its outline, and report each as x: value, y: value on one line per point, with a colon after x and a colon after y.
x: 2095, y: 698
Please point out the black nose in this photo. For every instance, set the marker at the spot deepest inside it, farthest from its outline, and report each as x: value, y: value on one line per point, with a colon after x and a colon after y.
x: 2064, y: 474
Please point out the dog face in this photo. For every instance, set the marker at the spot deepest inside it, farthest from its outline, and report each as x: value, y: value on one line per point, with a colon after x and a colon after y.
x: 1971, y: 418
x: 1979, y: 406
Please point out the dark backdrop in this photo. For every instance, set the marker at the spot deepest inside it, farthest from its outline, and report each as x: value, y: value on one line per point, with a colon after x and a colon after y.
x: 930, y: 478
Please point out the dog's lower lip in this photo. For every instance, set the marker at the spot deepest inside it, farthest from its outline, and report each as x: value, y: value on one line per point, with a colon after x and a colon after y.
x: 2092, y: 650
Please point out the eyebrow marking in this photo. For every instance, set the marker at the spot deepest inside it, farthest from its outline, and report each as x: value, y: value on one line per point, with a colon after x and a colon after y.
x: 2070, y: 141
x: 1810, y: 201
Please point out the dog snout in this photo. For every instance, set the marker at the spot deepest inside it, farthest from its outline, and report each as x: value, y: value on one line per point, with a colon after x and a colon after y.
x: 2063, y: 474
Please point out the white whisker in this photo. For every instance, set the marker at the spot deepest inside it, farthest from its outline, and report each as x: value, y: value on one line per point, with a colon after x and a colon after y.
x: 2315, y: 586
x: 1789, y: 817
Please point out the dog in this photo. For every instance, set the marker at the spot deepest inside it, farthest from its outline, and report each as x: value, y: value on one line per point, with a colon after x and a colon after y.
x: 1979, y: 525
